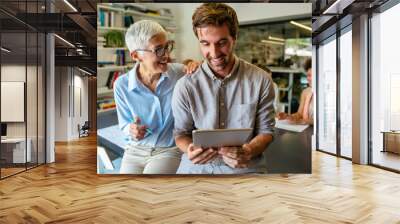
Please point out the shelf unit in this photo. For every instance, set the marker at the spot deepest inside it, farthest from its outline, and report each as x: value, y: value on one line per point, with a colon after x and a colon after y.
x: 105, y: 110
x: 289, y: 88
x: 141, y: 14
x: 103, y: 91
x: 106, y: 28
x: 114, y: 68
x: 111, y: 48
x: 113, y: 19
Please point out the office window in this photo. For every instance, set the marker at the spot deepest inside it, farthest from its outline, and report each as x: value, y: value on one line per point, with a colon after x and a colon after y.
x: 346, y: 92
x: 385, y: 84
x: 22, y: 89
x: 327, y: 96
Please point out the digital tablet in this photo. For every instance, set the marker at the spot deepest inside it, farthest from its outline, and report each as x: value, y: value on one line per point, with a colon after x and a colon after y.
x: 221, y: 137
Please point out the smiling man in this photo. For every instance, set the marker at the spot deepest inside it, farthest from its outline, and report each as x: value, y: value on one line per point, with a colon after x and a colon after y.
x: 225, y: 92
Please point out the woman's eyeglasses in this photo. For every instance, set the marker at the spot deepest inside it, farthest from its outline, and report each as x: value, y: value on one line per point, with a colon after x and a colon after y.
x: 160, y: 51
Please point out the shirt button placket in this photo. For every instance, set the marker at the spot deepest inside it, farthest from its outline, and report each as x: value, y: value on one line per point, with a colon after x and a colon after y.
x: 222, y: 111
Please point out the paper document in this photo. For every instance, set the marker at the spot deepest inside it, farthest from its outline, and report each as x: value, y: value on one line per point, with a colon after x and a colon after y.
x: 284, y: 124
x: 103, y: 156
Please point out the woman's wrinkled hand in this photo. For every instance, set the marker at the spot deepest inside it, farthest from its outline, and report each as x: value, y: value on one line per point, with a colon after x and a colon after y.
x: 136, y: 130
x: 191, y: 67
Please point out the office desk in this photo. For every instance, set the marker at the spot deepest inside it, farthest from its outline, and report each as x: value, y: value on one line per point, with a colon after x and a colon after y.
x: 391, y: 141
x: 13, y: 150
x: 290, y: 152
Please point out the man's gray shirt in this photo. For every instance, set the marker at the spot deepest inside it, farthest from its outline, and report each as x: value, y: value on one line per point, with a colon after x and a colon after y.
x: 244, y: 99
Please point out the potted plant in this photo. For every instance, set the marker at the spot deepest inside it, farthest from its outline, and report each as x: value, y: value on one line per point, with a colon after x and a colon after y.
x: 114, y: 39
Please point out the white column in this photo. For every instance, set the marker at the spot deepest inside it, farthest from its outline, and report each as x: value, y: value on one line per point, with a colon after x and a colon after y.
x: 360, y: 90
x: 50, y: 100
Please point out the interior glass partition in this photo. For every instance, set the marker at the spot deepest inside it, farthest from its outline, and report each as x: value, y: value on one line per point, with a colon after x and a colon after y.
x: 41, y: 96
x: 15, y: 152
x: 22, y: 77
x: 327, y: 96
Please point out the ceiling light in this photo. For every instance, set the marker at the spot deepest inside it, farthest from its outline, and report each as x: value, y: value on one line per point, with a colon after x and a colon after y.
x: 301, y: 25
x: 331, y: 7
x: 339, y: 5
x: 65, y: 41
x: 70, y: 5
x: 5, y: 49
x: 272, y: 42
x: 276, y: 38
x: 84, y: 71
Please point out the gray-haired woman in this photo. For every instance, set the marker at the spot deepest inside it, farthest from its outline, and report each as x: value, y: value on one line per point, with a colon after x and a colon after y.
x: 143, y: 99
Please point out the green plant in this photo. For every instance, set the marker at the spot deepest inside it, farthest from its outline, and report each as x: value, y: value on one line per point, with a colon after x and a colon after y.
x: 114, y: 39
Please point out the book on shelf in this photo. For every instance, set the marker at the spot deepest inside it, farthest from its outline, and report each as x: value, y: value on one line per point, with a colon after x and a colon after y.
x: 109, y: 18
x: 120, y: 59
x: 112, y: 77
x: 106, y: 102
x: 104, y: 63
x: 100, y: 16
x: 116, y: 57
x: 128, y: 21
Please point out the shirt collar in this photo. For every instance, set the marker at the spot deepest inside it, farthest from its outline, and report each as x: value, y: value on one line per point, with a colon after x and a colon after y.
x: 132, y: 76
x: 211, y: 74
x: 134, y: 82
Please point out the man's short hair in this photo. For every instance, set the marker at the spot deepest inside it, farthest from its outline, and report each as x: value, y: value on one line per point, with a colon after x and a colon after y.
x: 307, y: 64
x: 139, y: 34
x: 215, y: 14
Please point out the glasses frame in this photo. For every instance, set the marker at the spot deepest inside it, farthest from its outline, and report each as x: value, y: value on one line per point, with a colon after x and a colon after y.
x: 160, y: 51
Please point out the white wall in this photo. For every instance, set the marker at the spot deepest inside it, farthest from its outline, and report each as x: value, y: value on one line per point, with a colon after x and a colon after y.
x: 80, y: 84
x: 33, y: 126
x: 68, y: 83
x: 61, y: 125
x: 15, y: 73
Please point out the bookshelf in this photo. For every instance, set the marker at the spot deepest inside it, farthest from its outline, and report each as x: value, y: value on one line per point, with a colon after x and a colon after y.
x: 289, y: 88
x: 105, y: 28
x: 113, y: 58
x: 113, y: 68
x: 104, y: 91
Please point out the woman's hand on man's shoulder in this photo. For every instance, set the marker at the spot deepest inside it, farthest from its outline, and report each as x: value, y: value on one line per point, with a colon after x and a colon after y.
x: 191, y: 66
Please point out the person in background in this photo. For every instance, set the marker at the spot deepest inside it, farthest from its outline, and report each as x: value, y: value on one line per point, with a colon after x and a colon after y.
x: 305, y: 113
x: 143, y: 100
x: 277, y: 103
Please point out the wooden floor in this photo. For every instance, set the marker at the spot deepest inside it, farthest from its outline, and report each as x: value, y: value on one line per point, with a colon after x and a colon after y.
x: 10, y: 171
x: 70, y: 191
x: 387, y: 159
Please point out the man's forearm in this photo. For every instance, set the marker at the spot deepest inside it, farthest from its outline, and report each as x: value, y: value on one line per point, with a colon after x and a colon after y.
x: 259, y: 143
x: 183, y: 142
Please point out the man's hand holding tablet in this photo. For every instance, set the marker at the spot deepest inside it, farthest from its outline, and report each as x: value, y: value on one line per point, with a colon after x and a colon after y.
x: 199, y: 155
x: 231, y: 144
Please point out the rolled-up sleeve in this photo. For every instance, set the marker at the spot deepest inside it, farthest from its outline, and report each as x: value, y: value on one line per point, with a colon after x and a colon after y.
x: 183, y: 119
x: 265, y: 116
x: 123, y: 112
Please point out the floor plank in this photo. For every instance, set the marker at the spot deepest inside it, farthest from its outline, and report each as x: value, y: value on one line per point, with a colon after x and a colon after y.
x: 70, y: 191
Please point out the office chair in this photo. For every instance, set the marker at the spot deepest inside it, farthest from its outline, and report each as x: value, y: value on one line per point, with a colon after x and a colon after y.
x: 84, y: 130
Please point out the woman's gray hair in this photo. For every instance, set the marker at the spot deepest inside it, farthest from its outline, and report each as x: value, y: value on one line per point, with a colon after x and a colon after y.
x: 138, y: 34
